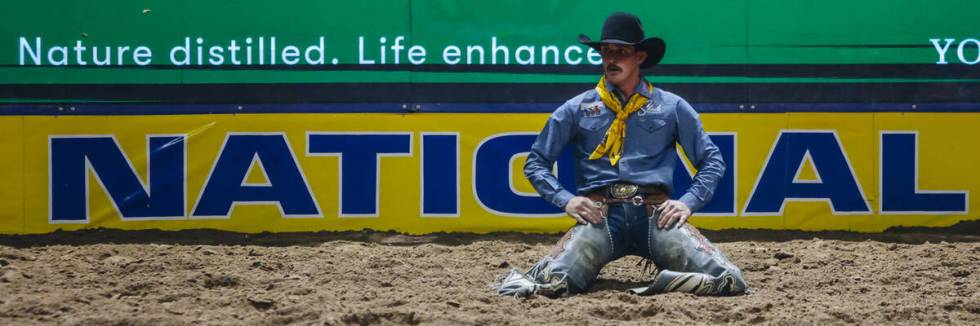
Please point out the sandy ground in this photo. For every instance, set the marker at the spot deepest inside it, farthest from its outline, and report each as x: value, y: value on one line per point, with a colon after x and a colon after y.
x: 104, y: 277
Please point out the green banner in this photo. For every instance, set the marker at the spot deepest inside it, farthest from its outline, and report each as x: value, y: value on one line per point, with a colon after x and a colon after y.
x: 192, y: 42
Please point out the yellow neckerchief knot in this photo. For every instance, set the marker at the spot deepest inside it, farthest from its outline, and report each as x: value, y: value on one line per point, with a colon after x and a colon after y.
x: 612, y: 142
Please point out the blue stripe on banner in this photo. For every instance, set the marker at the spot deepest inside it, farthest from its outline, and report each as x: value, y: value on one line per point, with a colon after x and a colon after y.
x: 167, y: 109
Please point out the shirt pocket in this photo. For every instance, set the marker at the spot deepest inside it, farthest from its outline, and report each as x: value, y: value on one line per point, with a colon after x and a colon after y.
x: 651, y: 124
x: 592, y: 130
x: 657, y: 136
x: 595, y: 124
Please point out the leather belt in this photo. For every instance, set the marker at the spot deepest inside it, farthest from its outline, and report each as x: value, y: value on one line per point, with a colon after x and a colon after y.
x: 629, y: 193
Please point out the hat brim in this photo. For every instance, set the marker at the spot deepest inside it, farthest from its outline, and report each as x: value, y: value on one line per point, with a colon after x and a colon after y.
x: 654, y: 47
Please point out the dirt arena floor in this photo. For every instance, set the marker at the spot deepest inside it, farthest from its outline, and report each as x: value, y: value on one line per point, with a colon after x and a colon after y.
x: 105, y: 277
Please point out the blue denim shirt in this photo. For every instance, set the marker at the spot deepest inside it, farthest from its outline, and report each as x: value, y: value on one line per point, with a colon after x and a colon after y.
x: 648, y: 152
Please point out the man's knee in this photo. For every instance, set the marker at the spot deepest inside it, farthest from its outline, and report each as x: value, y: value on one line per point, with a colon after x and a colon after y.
x: 586, y: 250
x: 571, y: 266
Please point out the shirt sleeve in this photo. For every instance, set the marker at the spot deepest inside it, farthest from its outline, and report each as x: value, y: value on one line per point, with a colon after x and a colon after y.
x: 702, y: 153
x: 545, y: 151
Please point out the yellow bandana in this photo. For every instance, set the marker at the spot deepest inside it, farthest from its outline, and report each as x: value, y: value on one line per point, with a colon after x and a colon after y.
x: 612, y: 142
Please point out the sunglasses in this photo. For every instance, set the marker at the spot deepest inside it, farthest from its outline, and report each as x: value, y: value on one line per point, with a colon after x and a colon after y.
x: 617, y: 52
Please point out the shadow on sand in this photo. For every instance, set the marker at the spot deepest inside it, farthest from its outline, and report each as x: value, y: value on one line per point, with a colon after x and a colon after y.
x: 962, y: 232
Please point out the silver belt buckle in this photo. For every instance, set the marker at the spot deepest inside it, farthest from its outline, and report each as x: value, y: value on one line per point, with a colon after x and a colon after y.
x: 637, y: 200
x: 623, y: 190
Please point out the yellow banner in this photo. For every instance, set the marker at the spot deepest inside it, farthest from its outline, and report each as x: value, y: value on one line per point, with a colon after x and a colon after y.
x: 420, y: 173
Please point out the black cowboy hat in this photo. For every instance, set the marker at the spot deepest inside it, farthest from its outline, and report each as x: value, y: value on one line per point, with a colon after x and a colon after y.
x: 625, y: 28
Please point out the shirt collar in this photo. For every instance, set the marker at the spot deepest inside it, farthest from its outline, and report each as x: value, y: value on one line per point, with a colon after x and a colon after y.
x: 641, y: 88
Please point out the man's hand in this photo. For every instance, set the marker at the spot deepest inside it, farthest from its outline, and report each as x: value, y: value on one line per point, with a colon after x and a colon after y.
x: 672, y: 211
x: 585, y: 210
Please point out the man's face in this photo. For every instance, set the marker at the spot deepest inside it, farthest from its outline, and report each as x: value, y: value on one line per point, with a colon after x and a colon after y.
x: 621, y: 62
